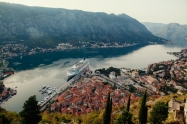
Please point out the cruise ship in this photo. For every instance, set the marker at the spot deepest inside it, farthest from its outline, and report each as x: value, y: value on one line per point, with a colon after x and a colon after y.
x: 78, y: 67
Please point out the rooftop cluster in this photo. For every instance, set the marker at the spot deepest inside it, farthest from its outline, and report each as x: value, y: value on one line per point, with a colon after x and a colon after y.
x: 90, y: 95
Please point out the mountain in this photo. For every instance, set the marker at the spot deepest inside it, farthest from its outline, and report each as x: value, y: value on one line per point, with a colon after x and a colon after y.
x: 39, y: 25
x: 172, y: 31
x: 153, y: 26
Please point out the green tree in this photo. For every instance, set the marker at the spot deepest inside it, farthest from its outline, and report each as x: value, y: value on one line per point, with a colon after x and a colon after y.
x: 107, y: 112
x: 146, y: 114
x: 114, y: 87
x: 78, y: 120
x: 142, y: 111
x: 110, y: 110
x: 128, y: 103
x: 65, y: 120
x: 167, y: 104
x: 132, y: 88
x: 167, y: 75
x: 1, y: 87
x: 125, y: 118
x: 31, y: 111
x: 159, y: 113
x: 4, y: 119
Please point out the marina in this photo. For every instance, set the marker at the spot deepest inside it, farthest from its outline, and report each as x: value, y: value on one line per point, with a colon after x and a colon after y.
x: 47, y: 89
x: 54, y: 93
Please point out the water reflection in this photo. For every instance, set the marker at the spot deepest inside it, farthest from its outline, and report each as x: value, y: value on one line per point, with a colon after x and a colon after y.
x: 29, y: 62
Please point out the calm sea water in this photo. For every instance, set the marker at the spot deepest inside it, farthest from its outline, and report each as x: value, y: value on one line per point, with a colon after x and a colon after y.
x: 50, y: 68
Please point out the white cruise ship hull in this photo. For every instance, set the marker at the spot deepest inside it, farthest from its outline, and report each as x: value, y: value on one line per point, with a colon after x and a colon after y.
x: 77, y: 68
x: 71, y: 74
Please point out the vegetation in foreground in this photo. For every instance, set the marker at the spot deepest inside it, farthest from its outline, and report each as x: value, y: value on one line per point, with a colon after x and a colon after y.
x: 31, y: 111
x: 158, y: 113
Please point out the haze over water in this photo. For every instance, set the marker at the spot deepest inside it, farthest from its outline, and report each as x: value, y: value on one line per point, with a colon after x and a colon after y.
x: 50, y: 68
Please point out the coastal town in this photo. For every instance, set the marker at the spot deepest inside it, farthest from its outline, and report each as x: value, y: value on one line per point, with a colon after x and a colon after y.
x: 8, y: 51
x: 5, y: 92
x: 89, y: 93
x: 158, y: 79
x: 93, y: 62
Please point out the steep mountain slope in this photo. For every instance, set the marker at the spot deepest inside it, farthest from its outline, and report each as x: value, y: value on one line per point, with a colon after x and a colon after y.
x: 172, y: 31
x: 36, y: 24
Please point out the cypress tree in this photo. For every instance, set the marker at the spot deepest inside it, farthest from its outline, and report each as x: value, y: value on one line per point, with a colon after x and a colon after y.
x: 146, y: 114
x: 110, y: 111
x: 167, y: 104
x: 142, y: 111
x: 106, y: 114
x: 128, y: 103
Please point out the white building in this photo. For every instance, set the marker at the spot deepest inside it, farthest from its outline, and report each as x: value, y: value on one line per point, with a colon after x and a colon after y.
x: 112, y: 75
x: 135, y: 74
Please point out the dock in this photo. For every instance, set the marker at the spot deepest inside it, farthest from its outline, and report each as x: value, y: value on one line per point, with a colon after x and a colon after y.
x: 61, y: 89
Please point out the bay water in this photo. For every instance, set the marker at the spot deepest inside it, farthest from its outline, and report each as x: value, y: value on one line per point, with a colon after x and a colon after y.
x: 34, y: 71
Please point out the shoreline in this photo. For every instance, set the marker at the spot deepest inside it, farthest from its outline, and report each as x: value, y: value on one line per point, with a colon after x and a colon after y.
x: 116, y: 55
x: 70, y: 49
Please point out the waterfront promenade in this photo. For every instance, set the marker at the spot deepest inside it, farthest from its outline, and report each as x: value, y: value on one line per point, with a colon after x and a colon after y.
x: 110, y: 81
x: 61, y: 89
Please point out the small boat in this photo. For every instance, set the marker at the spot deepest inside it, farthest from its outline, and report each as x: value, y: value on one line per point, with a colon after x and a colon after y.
x: 49, y: 92
x: 45, y: 99
x: 47, y: 87
x: 43, y: 86
x: 14, y: 91
x: 43, y: 91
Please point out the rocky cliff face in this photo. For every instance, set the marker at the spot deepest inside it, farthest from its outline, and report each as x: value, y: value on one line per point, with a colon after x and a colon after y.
x: 33, y: 24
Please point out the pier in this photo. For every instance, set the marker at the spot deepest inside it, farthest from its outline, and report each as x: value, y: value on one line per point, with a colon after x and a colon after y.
x: 61, y: 89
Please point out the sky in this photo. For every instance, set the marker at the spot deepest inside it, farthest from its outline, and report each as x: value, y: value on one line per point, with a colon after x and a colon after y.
x: 159, y: 11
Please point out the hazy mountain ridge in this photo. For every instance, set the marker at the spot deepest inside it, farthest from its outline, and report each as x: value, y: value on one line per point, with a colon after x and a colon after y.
x: 18, y: 22
x: 172, y: 31
x: 153, y: 26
